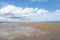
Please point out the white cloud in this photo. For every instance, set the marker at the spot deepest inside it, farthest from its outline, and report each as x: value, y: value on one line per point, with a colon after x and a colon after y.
x: 4, y: 19
x: 15, y: 14
x: 39, y: 0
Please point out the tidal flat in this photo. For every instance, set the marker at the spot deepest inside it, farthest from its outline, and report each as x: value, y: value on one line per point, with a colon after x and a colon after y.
x: 30, y: 31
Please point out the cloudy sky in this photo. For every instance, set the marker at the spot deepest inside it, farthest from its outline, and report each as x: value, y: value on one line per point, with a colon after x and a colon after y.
x: 29, y: 10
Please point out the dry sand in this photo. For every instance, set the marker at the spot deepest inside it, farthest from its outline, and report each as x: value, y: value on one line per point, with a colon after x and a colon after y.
x: 30, y: 31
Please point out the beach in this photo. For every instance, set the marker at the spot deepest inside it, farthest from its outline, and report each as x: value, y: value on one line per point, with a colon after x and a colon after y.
x: 30, y: 31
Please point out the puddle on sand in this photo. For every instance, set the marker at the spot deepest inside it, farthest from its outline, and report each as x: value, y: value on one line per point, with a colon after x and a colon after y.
x: 26, y: 33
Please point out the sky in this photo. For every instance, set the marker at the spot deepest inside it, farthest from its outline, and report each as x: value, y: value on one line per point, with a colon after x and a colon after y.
x: 29, y: 10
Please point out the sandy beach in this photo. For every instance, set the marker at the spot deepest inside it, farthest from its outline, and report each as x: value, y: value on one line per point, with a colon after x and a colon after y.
x: 30, y: 31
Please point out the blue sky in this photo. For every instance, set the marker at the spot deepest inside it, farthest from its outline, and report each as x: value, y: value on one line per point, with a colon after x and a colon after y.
x: 48, y: 4
x: 29, y: 10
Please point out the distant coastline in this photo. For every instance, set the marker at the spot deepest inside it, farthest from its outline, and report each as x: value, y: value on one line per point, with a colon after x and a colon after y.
x: 33, y: 22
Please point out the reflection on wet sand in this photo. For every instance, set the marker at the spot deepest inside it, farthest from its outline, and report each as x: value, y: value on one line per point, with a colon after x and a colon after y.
x: 26, y: 33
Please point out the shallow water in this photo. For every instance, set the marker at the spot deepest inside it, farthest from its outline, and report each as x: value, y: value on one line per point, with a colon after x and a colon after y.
x: 26, y: 33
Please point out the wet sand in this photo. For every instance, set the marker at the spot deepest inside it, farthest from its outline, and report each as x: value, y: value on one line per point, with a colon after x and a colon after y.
x: 29, y: 31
